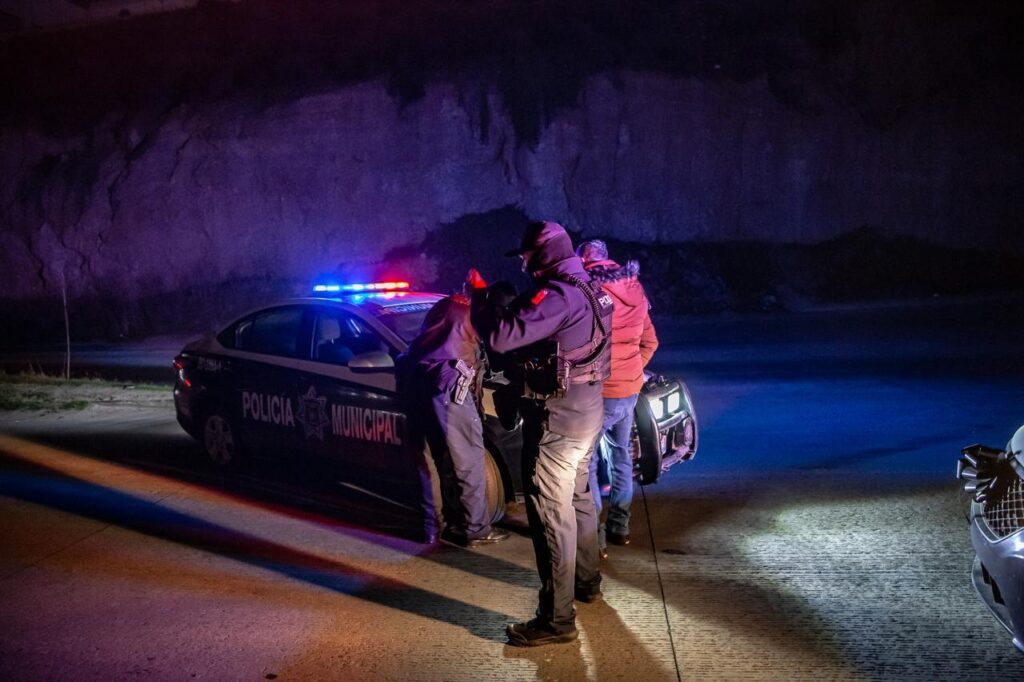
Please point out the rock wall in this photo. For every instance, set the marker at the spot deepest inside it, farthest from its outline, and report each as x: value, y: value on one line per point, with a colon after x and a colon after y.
x: 234, y: 188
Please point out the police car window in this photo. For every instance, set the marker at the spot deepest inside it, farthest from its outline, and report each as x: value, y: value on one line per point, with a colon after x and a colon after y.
x: 338, y: 337
x: 274, y: 332
x: 406, y: 320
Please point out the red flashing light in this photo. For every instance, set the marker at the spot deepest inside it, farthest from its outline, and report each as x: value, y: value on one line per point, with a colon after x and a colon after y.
x: 361, y: 287
x: 386, y: 286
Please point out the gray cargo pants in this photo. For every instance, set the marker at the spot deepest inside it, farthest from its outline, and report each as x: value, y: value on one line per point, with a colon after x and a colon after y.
x: 563, y: 522
x: 457, y: 444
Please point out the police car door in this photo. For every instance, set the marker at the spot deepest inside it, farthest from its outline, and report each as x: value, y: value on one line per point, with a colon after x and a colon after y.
x: 349, y: 408
x: 269, y: 345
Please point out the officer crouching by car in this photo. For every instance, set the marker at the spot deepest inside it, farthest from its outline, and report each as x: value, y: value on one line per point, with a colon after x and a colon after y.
x: 560, y: 333
x: 441, y: 375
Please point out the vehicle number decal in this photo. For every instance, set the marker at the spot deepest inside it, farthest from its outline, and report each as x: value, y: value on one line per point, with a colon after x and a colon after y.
x: 210, y: 365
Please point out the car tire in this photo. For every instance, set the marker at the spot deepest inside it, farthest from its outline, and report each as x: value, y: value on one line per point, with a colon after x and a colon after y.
x: 220, y: 441
x: 690, y: 427
x: 647, y: 442
x: 685, y: 436
x: 494, y: 487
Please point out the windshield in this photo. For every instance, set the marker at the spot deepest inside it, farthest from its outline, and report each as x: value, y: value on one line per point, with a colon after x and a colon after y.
x: 405, y: 320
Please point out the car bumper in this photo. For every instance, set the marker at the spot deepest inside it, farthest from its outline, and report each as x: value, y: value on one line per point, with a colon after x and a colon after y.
x: 673, y: 441
x: 998, y: 574
x: 677, y: 431
x: 184, y: 411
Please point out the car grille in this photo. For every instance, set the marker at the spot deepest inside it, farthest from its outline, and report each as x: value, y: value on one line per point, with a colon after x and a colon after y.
x: 1006, y: 514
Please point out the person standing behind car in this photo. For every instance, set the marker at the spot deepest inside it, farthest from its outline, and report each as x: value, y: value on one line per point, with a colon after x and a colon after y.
x: 633, y: 344
x: 566, y: 322
x: 442, y: 369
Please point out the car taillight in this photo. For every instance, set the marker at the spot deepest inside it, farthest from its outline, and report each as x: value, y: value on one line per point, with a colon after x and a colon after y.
x: 180, y: 365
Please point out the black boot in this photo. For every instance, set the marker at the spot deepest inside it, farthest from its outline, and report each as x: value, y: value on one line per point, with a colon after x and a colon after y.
x: 537, y: 633
x: 495, y: 536
x: 588, y: 592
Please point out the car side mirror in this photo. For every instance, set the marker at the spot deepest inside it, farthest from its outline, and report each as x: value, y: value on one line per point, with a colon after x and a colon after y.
x: 373, y: 360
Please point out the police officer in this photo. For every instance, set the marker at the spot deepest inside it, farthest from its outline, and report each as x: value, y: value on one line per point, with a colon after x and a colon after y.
x: 561, y: 418
x: 442, y: 369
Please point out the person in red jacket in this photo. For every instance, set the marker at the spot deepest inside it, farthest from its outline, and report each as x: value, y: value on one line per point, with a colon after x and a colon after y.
x: 633, y: 343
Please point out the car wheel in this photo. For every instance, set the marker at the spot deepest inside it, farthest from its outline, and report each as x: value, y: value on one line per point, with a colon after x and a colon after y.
x: 220, y: 441
x: 645, y: 444
x: 689, y: 430
x: 684, y: 437
x: 494, y: 487
x: 648, y: 463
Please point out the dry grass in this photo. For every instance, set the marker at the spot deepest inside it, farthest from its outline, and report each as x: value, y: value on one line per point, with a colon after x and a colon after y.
x: 36, y: 391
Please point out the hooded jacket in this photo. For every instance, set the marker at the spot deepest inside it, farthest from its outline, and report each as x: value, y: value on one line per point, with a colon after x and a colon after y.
x: 633, y: 338
x: 554, y: 310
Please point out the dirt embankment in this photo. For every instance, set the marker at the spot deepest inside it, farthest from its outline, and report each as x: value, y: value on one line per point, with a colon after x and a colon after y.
x: 168, y: 166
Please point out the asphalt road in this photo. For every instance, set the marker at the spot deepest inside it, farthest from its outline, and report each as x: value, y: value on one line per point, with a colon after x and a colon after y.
x: 818, y: 535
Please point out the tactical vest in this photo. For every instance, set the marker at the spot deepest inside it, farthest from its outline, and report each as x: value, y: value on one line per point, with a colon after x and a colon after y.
x: 548, y: 370
x: 592, y: 361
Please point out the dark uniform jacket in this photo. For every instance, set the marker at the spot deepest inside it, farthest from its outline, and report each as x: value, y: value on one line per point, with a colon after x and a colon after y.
x: 447, y: 336
x: 560, y: 311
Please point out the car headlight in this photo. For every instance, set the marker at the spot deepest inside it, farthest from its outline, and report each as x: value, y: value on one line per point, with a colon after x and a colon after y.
x: 657, y: 408
x: 673, y: 402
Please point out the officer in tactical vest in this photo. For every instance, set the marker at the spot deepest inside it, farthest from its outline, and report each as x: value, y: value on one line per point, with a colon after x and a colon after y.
x: 560, y: 333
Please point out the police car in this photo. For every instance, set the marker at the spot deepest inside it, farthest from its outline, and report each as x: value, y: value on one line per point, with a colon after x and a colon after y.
x: 313, y: 380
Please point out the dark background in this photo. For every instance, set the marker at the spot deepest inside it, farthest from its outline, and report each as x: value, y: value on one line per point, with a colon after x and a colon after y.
x: 171, y: 169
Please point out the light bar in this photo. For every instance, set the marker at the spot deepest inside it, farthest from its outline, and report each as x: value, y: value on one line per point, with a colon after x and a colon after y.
x: 368, y: 286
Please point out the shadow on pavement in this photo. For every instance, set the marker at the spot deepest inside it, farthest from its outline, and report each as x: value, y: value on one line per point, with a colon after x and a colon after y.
x: 45, y: 486
x: 296, y: 491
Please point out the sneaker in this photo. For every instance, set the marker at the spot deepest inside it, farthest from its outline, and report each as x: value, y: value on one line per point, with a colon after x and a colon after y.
x: 537, y: 633
x: 494, y: 537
